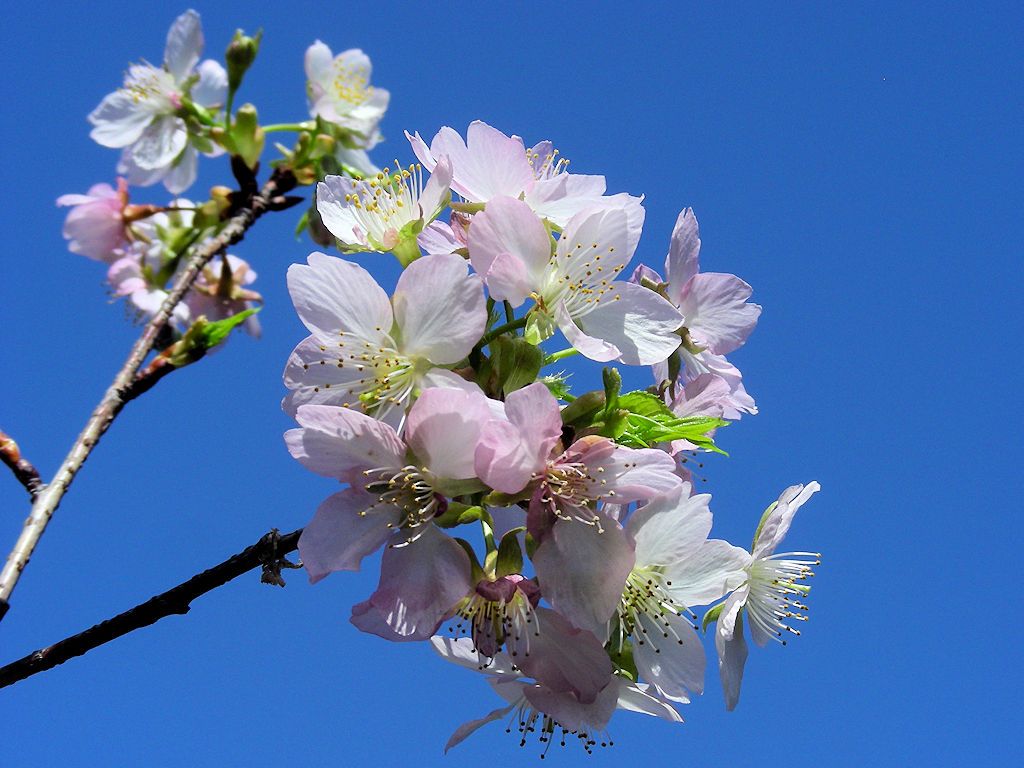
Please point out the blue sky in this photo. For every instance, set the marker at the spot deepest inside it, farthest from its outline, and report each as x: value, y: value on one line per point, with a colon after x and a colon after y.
x: 859, y: 165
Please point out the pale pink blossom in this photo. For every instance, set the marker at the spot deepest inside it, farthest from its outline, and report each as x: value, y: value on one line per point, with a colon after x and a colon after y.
x: 95, y: 226
x: 220, y: 292
x: 676, y: 566
x: 395, y: 482
x: 488, y: 164
x: 717, y: 317
x: 374, y: 353
x: 573, y: 281
x: 548, y: 714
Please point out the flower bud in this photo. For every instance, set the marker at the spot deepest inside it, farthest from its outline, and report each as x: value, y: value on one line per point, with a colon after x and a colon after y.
x: 240, y: 55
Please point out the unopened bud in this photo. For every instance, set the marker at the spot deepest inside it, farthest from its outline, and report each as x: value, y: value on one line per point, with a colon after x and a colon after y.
x: 247, y: 136
x: 240, y: 55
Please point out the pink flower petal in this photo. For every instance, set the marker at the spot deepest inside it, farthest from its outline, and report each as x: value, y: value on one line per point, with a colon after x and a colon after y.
x: 341, y: 534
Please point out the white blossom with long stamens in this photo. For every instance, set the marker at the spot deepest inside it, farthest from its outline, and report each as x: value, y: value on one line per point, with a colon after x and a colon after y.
x: 772, y: 595
x: 377, y: 214
x: 373, y: 353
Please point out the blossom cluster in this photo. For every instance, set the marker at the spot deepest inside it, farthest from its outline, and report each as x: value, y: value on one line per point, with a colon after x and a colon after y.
x: 551, y: 541
x: 431, y: 406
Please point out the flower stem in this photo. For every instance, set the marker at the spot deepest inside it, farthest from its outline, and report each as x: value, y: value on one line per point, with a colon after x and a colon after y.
x: 561, y: 354
x: 491, y: 335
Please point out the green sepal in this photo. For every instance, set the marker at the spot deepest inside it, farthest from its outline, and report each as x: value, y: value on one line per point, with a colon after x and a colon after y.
x: 476, y: 572
x: 515, y: 363
x: 623, y: 660
x: 499, y: 499
x: 510, y: 554
x: 459, y: 514
x: 761, y: 522
x: 407, y: 250
x: 581, y: 411
x: 531, y: 545
x: 612, y: 387
x: 558, y: 385
x: 712, y: 614
x: 247, y: 136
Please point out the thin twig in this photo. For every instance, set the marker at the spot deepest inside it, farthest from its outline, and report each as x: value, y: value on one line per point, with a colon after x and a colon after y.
x: 268, y: 552
x: 253, y: 206
x: 22, y: 468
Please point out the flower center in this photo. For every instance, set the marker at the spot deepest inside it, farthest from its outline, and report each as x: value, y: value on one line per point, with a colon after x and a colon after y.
x: 351, y: 84
x: 567, y: 492
x: 776, y: 590
x: 387, y: 202
x: 409, y: 489
x: 500, y: 614
x: 645, y: 604
x: 530, y: 723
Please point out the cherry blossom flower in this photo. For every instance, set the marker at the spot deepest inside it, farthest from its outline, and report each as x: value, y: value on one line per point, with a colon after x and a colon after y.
x: 395, y: 482
x: 717, y: 316
x: 573, y: 283
x: 771, y: 595
x: 147, y: 116
x: 536, y: 710
x: 385, y: 213
x: 584, y: 556
x: 676, y: 566
x: 95, y: 226
x: 340, y: 92
x: 220, y: 292
x: 489, y: 164
x: 370, y: 352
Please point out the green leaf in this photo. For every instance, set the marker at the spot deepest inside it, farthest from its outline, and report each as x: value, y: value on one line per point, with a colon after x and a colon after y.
x: 515, y: 363
x: 214, y: 333
x: 612, y: 386
x: 477, y: 573
x: 650, y: 421
x: 558, y: 385
x: 510, y: 554
x: 458, y: 514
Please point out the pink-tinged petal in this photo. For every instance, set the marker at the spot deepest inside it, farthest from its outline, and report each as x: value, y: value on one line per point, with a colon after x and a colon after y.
x: 643, y: 272
x: 621, y: 474
x: 438, y: 237
x: 125, y: 276
x: 486, y: 165
x: 334, y: 296
x: 467, y: 729
x: 422, y: 151
x: 635, y: 698
x: 683, y: 257
x: 510, y: 452
x: 162, y: 141
x: 594, y: 232
x: 738, y: 401
x: 566, y: 659
x: 506, y: 518
x: 319, y: 375
x: 420, y: 581
x: 637, y: 321
x: 675, y: 664
x: 341, y: 533
x: 716, y: 311
x: 509, y: 233
x: 212, y: 88
x: 589, y: 346
x: 582, y: 571
x: 337, y: 442
x: 437, y: 191
x: 440, y: 308
x: 119, y: 120
x: 184, y: 45
x: 708, y: 574
x: 670, y: 527
x: 572, y: 714
x: 731, y: 647
x: 777, y: 525
x: 706, y: 395
x: 561, y: 197
x: 441, y: 377
x: 443, y: 428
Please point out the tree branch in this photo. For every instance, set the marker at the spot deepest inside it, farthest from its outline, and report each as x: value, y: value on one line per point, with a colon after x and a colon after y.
x: 251, y: 204
x: 22, y: 468
x: 269, y: 552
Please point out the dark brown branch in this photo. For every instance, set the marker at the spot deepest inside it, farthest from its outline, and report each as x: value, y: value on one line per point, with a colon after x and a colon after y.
x: 22, y: 468
x: 269, y: 552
